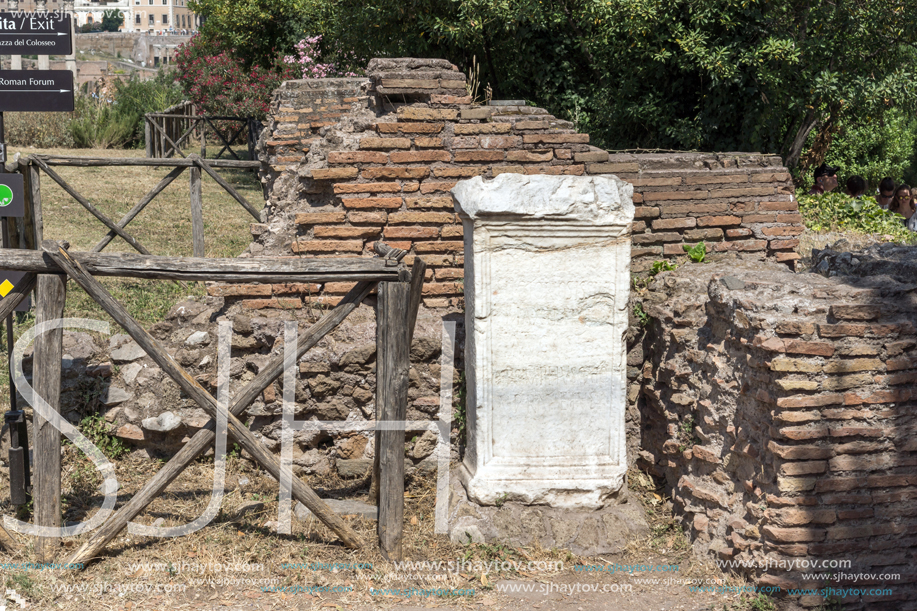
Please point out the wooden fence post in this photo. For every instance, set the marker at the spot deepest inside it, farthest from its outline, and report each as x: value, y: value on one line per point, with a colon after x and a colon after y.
x: 147, y: 135
x: 50, y: 295
x: 392, y: 365
x: 197, y: 213
x: 35, y: 200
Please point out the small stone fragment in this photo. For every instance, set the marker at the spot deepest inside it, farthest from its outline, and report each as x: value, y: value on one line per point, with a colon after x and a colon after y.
x: 163, y: 423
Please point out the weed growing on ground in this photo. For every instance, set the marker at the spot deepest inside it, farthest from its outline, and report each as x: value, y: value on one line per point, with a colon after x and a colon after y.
x: 97, y: 430
x: 22, y: 583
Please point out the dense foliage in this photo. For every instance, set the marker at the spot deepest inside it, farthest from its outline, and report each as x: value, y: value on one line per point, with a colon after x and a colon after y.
x: 135, y: 97
x: 704, y: 74
x: 256, y: 31
x: 98, y: 123
x: 216, y: 81
x: 874, y: 149
x: 112, y: 20
x: 837, y: 211
x: 807, y: 80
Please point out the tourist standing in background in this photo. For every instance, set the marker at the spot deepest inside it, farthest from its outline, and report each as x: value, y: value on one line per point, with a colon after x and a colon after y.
x: 825, y: 180
x: 856, y: 186
x: 902, y: 203
x: 886, y: 193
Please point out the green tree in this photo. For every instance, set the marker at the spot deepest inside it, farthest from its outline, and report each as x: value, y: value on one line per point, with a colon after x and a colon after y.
x: 256, y: 31
x: 112, y: 20
x: 776, y: 76
x: 705, y: 74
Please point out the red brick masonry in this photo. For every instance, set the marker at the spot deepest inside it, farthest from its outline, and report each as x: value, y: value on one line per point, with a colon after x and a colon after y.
x: 392, y: 182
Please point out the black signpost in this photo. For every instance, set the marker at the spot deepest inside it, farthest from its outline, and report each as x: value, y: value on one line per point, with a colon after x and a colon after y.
x: 26, y: 91
x: 36, y: 91
x: 24, y: 33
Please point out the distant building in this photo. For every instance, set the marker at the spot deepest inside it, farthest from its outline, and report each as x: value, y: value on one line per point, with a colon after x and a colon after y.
x: 146, y: 16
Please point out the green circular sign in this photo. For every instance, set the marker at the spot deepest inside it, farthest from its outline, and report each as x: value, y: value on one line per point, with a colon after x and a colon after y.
x: 6, y: 196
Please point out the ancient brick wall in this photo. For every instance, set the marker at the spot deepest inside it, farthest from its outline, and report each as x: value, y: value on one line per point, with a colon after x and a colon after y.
x: 779, y: 408
x: 384, y: 173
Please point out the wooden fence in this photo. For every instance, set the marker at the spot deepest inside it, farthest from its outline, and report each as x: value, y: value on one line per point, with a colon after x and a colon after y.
x: 180, y: 125
x: 31, y: 231
x: 399, y: 293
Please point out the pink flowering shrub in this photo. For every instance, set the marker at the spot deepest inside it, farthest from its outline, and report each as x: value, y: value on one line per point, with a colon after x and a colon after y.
x: 306, y: 60
x: 219, y: 84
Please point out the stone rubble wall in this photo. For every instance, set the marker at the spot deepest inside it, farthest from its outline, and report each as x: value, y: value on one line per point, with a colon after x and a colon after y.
x: 780, y: 410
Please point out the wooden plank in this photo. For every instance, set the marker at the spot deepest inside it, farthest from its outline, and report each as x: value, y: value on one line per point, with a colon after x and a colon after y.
x: 148, y: 146
x: 29, y: 218
x: 243, y: 436
x: 392, y: 364
x: 91, y: 162
x: 417, y: 276
x: 204, y: 438
x: 267, y: 269
x: 50, y: 295
x: 226, y: 186
x: 132, y: 214
x: 252, y: 137
x: 197, y: 214
x: 35, y: 201
x: 92, y: 209
x: 22, y: 289
x: 195, y: 116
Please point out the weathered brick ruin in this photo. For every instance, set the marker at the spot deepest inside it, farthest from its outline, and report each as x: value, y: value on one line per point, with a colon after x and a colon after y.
x: 776, y: 406
x: 780, y: 410
x: 353, y: 161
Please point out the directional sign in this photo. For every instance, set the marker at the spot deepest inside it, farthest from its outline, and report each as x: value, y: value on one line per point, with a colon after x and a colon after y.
x: 36, y: 91
x: 8, y: 280
x: 12, y: 195
x: 24, y: 33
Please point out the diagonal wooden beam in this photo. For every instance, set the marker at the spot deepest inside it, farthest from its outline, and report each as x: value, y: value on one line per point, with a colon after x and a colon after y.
x: 204, y: 438
x: 130, y: 216
x: 193, y: 389
x: 188, y: 131
x: 226, y: 145
x: 226, y: 186
x: 92, y: 209
x: 22, y: 289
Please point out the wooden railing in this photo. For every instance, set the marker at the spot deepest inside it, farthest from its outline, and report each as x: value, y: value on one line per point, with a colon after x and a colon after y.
x: 180, y: 125
x: 33, y: 165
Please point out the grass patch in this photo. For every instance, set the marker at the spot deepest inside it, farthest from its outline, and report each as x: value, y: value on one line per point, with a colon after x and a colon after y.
x: 163, y: 227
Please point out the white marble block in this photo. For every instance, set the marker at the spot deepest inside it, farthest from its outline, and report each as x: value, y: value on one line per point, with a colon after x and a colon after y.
x: 547, y: 275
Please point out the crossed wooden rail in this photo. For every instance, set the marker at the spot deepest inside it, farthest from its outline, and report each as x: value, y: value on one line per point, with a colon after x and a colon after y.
x: 399, y: 293
x: 160, y: 143
x: 194, y: 163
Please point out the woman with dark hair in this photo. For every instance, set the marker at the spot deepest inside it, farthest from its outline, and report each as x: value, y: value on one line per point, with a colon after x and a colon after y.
x: 856, y: 186
x: 902, y: 203
x: 886, y: 192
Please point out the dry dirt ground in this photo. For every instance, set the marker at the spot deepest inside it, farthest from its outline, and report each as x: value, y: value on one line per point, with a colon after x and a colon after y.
x: 238, y: 561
